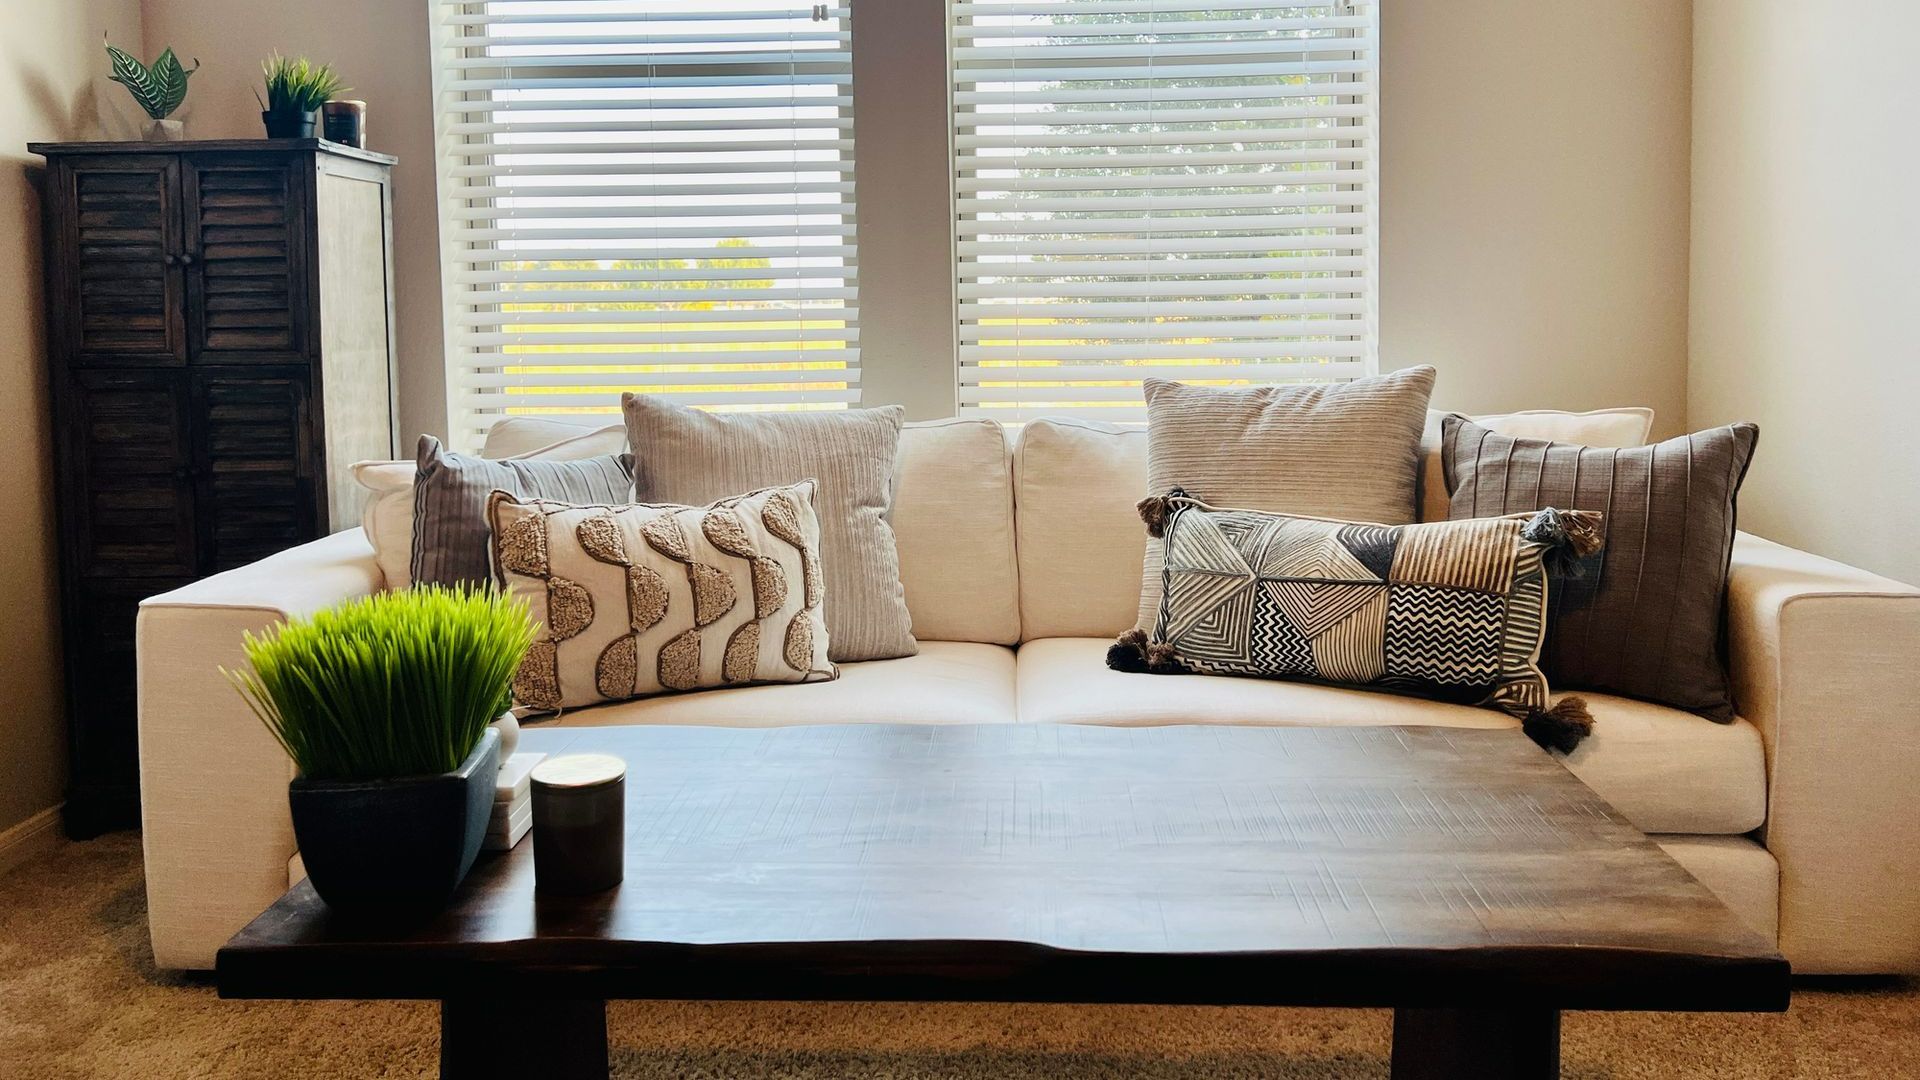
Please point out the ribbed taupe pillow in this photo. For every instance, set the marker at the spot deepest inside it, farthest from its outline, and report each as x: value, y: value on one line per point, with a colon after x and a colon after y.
x: 692, y: 457
x: 450, y: 535
x: 1338, y: 450
x: 1646, y: 618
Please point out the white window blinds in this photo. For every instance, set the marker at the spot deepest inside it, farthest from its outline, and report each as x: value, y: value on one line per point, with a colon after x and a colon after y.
x: 1160, y: 187
x: 645, y: 195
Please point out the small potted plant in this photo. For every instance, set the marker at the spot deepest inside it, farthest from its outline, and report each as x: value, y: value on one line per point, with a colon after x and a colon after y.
x: 158, y: 89
x: 295, y: 91
x: 383, y: 703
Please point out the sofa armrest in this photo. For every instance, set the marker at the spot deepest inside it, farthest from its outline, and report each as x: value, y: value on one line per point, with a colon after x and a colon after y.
x: 213, y: 782
x: 1826, y: 663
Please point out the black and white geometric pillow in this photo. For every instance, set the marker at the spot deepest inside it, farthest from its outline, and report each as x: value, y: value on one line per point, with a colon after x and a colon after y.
x: 1451, y: 609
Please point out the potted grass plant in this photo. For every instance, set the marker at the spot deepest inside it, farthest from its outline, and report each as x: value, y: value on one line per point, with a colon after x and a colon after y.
x: 383, y: 703
x: 296, y: 89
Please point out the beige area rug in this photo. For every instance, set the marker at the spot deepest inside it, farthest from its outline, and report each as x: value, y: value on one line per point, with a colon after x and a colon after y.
x: 79, y: 997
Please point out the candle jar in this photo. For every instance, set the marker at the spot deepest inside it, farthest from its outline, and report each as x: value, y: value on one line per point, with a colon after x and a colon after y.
x: 579, y: 823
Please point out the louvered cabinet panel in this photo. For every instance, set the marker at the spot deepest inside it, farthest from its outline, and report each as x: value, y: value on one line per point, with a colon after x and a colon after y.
x: 130, y: 504
x: 244, y: 245
x: 117, y: 223
x: 254, y: 465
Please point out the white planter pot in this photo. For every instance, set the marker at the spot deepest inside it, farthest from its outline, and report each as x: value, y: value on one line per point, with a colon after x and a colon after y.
x: 166, y: 131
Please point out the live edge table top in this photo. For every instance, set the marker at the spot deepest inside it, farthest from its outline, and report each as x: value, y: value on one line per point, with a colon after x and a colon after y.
x: 1370, y: 867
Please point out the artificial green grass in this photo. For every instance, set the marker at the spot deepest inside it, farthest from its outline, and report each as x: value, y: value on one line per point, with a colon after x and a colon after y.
x: 395, y: 684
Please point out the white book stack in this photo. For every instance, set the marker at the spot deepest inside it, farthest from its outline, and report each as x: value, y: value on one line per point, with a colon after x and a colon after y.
x: 512, y: 802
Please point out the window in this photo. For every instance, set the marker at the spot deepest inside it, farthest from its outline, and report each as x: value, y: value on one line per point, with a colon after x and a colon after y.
x: 645, y: 195
x: 1158, y: 187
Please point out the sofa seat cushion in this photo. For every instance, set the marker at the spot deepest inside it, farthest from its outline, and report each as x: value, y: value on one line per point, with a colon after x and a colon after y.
x: 1668, y: 771
x: 948, y: 682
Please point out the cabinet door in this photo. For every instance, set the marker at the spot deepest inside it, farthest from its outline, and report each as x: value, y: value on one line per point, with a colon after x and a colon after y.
x: 114, y: 225
x: 255, y: 463
x: 244, y: 257
x: 129, y: 493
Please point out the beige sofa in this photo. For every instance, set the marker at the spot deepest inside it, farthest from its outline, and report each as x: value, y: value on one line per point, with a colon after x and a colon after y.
x: 1021, y: 560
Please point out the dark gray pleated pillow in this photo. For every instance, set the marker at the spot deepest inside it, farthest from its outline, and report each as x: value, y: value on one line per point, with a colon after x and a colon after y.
x: 450, y: 537
x: 1645, y: 617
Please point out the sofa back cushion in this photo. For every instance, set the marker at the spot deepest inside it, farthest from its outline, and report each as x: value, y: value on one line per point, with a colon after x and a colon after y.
x: 1081, y: 545
x: 953, y: 525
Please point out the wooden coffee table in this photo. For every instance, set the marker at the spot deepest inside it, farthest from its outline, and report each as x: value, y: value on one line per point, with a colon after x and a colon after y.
x: 1462, y: 878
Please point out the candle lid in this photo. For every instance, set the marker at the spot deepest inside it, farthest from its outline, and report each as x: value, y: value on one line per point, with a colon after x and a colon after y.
x: 579, y: 771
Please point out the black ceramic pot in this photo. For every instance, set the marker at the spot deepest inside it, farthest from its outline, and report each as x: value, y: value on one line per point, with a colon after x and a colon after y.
x: 395, y: 845
x: 283, y: 125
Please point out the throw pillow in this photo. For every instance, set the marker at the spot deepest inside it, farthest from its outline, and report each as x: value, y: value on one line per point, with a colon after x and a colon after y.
x: 637, y: 599
x: 1334, y: 450
x: 1646, y: 620
x: 554, y: 437
x: 688, y: 456
x: 1453, y: 610
x: 450, y: 540
x: 387, y: 515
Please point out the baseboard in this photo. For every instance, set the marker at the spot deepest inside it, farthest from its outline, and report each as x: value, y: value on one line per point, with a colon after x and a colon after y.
x: 39, y: 833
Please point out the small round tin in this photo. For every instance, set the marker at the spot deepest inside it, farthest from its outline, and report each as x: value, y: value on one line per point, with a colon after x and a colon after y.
x: 579, y: 823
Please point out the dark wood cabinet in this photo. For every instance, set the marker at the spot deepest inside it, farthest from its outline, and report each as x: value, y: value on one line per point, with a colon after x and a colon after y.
x: 206, y: 303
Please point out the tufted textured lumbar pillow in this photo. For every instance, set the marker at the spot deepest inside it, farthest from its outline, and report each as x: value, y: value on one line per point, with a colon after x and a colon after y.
x: 1454, y: 610
x: 637, y: 598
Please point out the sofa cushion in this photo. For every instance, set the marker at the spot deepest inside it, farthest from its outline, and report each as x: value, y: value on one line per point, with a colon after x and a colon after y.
x: 948, y: 682
x: 1074, y: 486
x: 953, y: 524
x: 1666, y: 770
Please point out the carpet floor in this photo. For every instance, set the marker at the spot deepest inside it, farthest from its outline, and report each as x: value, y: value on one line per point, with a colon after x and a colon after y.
x: 80, y: 998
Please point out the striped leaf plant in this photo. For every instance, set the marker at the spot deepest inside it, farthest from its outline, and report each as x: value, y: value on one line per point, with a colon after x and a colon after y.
x: 160, y: 88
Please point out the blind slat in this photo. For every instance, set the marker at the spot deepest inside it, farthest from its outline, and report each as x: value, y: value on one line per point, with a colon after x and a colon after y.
x: 1101, y: 148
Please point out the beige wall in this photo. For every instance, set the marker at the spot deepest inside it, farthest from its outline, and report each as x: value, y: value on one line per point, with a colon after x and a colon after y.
x: 380, y: 48
x: 1534, y: 201
x: 49, y: 53
x: 1806, y: 231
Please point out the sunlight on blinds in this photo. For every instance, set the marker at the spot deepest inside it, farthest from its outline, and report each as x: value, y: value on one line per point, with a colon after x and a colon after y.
x: 1159, y: 187
x: 645, y: 195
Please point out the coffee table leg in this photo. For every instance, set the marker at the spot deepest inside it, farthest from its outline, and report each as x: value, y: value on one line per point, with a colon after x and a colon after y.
x: 564, y: 1040
x: 1486, y: 1044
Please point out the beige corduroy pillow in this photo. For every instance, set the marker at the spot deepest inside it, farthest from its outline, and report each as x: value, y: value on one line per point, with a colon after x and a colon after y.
x: 1332, y: 450
x: 684, y: 455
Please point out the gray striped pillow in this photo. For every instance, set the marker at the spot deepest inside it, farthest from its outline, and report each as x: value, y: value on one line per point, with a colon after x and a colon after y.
x: 1648, y: 620
x: 1343, y: 450
x: 450, y: 536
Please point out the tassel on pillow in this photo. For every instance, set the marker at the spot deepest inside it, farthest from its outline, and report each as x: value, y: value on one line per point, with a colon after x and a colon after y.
x: 1568, y: 536
x: 1132, y: 652
x: 1560, y: 727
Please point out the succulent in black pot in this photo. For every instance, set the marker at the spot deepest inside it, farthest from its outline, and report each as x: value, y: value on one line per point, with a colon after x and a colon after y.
x: 383, y: 703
